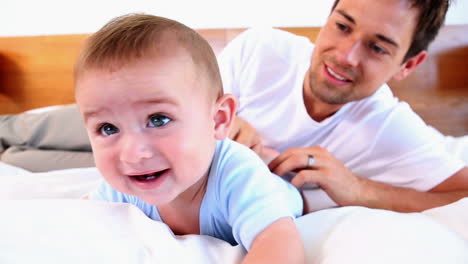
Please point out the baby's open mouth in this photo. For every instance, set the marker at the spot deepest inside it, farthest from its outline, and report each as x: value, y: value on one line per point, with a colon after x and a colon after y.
x: 149, y: 176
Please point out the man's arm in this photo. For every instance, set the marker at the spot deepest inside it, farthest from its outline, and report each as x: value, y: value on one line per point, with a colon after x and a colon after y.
x: 346, y: 188
x: 280, y: 242
x: 384, y: 196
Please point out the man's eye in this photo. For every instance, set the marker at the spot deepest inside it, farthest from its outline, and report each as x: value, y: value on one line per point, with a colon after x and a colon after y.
x: 377, y: 49
x: 158, y: 120
x: 108, y: 129
x: 342, y: 27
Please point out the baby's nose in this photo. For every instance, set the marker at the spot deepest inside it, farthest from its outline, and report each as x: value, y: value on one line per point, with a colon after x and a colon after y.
x: 136, y: 147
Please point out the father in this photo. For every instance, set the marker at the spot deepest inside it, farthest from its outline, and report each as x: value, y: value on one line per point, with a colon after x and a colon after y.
x: 327, y: 110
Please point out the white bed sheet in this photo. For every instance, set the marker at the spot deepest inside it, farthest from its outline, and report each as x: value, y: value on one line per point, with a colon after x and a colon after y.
x: 44, y: 221
x: 82, y: 231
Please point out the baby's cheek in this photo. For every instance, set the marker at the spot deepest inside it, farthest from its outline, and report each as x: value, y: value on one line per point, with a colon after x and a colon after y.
x: 104, y: 159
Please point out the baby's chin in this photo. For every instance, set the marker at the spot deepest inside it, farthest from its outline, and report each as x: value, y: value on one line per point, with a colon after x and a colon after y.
x: 155, y: 198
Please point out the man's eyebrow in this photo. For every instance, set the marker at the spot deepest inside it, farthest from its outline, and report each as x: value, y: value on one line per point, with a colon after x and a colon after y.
x: 346, y: 15
x: 388, y: 40
x: 379, y: 36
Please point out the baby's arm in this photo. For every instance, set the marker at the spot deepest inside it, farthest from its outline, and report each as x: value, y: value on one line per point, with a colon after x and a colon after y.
x: 280, y: 242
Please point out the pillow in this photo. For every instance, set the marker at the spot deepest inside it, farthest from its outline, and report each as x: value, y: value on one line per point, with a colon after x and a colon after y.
x: 42, y: 160
x: 45, y: 140
x: 44, y: 109
x: 454, y: 215
x: 60, y: 128
x: 96, y: 232
x: 86, y: 231
x: 367, y: 236
x: 58, y: 184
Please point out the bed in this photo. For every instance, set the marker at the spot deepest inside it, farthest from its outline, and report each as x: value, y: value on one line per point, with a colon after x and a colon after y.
x: 46, y: 167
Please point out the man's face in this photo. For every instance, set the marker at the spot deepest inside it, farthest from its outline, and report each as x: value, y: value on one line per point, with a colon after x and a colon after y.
x: 361, y: 46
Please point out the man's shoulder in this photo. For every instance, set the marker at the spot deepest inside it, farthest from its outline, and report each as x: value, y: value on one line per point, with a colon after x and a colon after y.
x: 382, y: 113
x: 269, y: 32
x: 381, y: 102
x: 390, y: 119
x: 260, y: 57
x: 269, y: 40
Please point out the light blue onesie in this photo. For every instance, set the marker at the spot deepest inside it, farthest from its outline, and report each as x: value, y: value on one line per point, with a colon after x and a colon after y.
x: 242, y: 197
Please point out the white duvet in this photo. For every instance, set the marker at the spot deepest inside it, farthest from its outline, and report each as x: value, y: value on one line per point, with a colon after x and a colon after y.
x: 44, y: 221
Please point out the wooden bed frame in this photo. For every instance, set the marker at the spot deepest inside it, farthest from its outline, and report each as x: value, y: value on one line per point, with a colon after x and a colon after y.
x: 37, y: 71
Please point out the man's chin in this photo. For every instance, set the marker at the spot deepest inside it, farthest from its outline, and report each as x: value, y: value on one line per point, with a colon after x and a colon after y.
x: 331, y: 98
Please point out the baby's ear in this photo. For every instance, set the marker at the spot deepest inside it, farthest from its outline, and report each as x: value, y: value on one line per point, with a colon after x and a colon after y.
x: 225, y: 112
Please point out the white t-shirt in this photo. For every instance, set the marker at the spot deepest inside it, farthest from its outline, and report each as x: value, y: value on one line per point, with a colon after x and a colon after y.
x: 242, y: 196
x: 377, y: 137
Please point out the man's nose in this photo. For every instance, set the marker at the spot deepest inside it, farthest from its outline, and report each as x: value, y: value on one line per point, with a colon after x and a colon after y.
x: 136, y: 147
x: 349, y: 52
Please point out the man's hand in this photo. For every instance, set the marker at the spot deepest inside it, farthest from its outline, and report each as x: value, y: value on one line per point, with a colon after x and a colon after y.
x: 346, y: 188
x: 246, y: 134
x: 330, y: 174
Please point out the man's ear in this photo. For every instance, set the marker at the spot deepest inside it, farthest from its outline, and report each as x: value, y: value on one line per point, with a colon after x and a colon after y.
x: 410, y: 65
x: 226, y: 107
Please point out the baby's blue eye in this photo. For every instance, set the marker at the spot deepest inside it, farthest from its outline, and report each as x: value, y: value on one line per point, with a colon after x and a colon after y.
x: 158, y: 120
x: 108, y: 129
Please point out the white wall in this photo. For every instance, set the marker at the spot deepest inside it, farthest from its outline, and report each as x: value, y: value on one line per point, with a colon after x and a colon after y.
x: 45, y: 17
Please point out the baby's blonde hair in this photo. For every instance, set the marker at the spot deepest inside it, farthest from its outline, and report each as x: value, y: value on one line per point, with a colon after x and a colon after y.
x: 132, y: 37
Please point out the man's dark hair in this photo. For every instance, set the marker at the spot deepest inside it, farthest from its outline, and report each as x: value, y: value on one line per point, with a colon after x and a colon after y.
x: 431, y: 17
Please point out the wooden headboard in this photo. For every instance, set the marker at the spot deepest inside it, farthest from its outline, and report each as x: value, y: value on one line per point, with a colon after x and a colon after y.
x: 38, y: 71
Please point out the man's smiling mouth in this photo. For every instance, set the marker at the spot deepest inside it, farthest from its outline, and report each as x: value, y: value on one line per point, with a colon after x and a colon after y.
x: 336, y: 75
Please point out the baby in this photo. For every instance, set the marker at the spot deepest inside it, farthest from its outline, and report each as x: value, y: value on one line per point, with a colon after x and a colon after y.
x: 150, y: 93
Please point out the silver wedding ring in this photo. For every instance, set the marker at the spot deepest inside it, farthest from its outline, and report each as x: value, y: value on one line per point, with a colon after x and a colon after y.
x: 311, y: 161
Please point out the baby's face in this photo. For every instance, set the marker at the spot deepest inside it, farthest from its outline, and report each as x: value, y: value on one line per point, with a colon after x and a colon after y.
x: 151, y: 126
